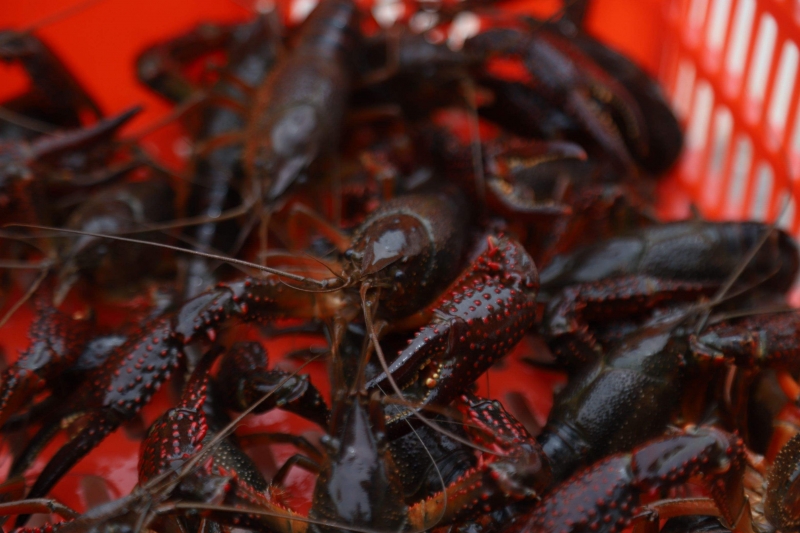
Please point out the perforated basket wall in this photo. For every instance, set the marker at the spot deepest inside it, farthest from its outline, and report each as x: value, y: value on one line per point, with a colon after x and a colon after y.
x: 730, y: 69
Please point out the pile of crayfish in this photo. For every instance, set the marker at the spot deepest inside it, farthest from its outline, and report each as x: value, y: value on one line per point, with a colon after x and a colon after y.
x: 415, y: 204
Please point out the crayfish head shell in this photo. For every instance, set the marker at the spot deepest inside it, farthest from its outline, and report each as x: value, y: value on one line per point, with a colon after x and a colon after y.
x: 395, y: 254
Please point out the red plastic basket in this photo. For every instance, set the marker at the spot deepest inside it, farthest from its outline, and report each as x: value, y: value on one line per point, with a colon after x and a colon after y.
x: 729, y: 67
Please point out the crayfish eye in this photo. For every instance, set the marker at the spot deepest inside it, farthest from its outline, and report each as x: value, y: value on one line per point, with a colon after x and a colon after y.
x: 331, y: 444
x: 352, y: 255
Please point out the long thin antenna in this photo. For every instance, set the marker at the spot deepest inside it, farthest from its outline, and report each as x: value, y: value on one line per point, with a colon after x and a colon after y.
x: 723, y: 290
x: 324, y: 284
x: 12, y: 117
x: 63, y: 14
x: 32, y: 289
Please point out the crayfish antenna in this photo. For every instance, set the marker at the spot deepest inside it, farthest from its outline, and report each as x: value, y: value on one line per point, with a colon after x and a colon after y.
x: 28, y: 123
x: 59, y: 16
x: 724, y: 291
x: 303, y: 520
x: 25, y: 297
x: 476, y: 147
x: 369, y: 305
x: 280, y: 273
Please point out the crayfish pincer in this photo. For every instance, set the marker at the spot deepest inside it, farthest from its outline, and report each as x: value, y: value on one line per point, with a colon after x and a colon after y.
x: 478, y: 320
x: 481, y: 317
x: 608, y: 497
x: 245, y: 380
x: 130, y: 376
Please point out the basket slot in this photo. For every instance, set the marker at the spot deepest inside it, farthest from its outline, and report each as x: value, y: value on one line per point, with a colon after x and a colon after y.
x: 683, y: 89
x: 739, y: 41
x: 737, y: 171
x: 735, y: 23
x: 299, y: 9
x: 718, y: 27
x: 760, y: 192
x: 387, y: 13
x: 786, y: 211
x: 734, y: 171
x: 696, y: 18
x: 697, y: 133
x: 783, y: 88
x: 770, y: 137
x: 465, y: 25
x: 793, y: 108
x: 794, y: 149
x: 720, y: 146
x: 760, y: 63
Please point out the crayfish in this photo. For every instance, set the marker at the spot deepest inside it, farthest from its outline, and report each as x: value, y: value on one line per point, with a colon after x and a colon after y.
x: 410, y: 218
